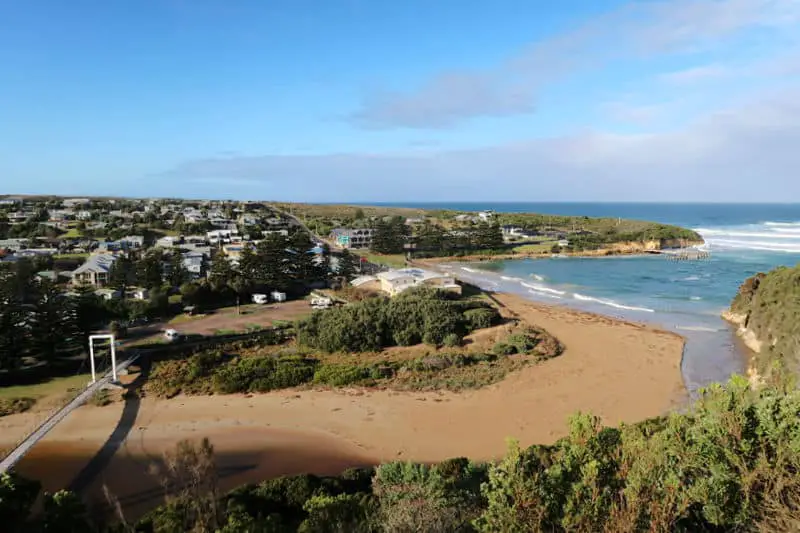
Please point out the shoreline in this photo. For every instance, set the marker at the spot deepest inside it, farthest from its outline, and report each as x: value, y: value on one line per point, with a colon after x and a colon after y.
x: 622, y: 371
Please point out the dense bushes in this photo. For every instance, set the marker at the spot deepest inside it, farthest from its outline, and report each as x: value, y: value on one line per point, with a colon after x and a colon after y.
x: 530, y: 341
x: 420, y: 315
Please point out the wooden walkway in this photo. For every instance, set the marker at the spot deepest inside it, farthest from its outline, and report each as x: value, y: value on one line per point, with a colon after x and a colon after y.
x: 686, y: 254
x: 15, y: 455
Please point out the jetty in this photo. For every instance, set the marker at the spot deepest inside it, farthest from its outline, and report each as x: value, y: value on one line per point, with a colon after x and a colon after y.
x: 684, y: 254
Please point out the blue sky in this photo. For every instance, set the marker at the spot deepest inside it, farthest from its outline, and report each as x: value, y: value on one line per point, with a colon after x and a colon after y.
x: 420, y: 100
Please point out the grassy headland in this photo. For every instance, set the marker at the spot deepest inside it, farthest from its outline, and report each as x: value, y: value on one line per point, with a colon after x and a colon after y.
x: 431, y: 233
x: 767, y: 311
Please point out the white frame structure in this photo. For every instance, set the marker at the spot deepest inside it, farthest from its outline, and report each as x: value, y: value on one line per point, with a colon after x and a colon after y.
x: 92, y: 338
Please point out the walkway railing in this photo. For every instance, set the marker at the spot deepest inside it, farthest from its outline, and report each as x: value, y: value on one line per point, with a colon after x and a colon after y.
x: 16, y: 454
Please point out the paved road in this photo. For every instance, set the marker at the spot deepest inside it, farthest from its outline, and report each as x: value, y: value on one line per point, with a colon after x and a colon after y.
x: 38, y: 434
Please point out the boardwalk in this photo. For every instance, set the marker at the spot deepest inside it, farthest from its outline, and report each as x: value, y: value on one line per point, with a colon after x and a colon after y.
x: 684, y: 254
x: 39, y: 433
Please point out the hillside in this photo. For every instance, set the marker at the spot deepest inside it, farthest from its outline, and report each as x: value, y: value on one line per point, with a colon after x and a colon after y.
x: 767, y: 311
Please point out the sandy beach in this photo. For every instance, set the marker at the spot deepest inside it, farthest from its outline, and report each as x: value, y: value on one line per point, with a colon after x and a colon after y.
x: 619, y: 371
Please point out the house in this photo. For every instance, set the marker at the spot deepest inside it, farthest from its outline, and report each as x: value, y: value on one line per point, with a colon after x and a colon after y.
x: 486, y: 216
x: 563, y: 243
x: 353, y: 238
x: 511, y: 230
x: 14, y: 244
x: 83, y: 215
x: 194, y: 263
x: 396, y: 281
x: 248, y: 220
x: 131, y: 242
x: 168, y: 242
x: 95, y: 271
x: 221, y: 235
x: 74, y: 202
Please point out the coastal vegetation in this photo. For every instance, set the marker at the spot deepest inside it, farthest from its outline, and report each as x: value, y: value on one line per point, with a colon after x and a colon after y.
x: 729, y: 463
x: 767, y: 306
x: 414, y: 316
x: 344, y: 347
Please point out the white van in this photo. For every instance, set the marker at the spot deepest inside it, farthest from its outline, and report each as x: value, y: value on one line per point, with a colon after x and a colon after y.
x: 172, y: 334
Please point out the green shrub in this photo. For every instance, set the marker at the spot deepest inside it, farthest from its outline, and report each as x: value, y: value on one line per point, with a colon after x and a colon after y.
x: 451, y: 340
x: 11, y: 406
x: 481, y: 318
x: 501, y: 348
x: 340, y: 375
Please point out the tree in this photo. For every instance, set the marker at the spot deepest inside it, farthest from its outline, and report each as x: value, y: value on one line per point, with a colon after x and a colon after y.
x: 273, y: 262
x: 347, y: 265
x: 53, y: 324
x: 177, y: 272
x: 13, y: 330
x: 148, y: 270
x: 303, y: 269
x: 122, y: 275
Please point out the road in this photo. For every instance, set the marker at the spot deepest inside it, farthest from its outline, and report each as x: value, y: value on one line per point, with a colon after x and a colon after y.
x: 53, y: 420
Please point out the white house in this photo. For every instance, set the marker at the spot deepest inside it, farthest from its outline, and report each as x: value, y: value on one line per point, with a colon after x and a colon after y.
x: 396, y: 281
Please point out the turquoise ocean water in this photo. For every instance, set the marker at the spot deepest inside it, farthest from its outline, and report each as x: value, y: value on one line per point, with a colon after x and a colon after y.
x: 686, y: 297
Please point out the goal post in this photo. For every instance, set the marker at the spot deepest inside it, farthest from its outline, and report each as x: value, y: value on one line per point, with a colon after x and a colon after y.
x: 112, y: 344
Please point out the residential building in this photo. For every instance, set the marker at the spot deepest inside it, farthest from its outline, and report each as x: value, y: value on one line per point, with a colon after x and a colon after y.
x: 131, y: 242
x: 74, y: 202
x: 353, y: 238
x: 222, y: 235
x: 168, y: 242
x: 95, y: 271
x: 37, y: 252
x: 14, y: 244
x: 107, y: 294
x: 194, y: 263
x: 396, y: 281
x: 486, y: 216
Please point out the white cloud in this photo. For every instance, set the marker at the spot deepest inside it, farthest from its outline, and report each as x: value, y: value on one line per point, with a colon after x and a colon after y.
x: 744, y: 153
x: 696, y: 74
x: 638, y: 29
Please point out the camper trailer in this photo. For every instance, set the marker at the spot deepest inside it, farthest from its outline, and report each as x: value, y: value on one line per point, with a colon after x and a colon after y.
x: 321, y: 302
x: 278, y: 296
x: 260, y: 298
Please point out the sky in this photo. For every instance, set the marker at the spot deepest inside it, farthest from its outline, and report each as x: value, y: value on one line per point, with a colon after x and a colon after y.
x: 402, y: 101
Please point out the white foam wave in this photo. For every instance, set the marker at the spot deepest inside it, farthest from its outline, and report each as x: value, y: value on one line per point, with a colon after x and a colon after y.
x: 695, y: 298
x: 539, y: 293
x: 697, y: 328
x: 793, y: 234
x: 541, y: 288
x: 467, y: 269
x: 768, y: 246
x: 537, y: 277
x: 690, y: 278
x: 509, y: 278
x: 783, y: 224
x: 611, y: 303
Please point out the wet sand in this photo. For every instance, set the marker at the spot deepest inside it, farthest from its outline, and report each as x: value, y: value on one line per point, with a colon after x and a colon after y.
x: 619, y: 371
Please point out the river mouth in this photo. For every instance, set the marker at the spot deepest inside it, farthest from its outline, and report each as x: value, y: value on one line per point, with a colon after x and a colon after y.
x: 683, y: 298
x: 242, y: 456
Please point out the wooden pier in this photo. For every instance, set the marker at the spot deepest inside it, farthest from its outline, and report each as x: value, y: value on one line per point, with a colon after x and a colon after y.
x: 685, y: 254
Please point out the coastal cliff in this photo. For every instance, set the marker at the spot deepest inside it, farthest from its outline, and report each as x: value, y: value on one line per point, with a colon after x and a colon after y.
x: 766, y: 311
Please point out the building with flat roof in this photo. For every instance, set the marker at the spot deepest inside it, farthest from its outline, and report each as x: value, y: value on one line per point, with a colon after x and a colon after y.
x: 396, y: 281
x: 353, y: 238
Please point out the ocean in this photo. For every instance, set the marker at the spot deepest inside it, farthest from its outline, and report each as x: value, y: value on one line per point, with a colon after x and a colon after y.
x: 683, y: 296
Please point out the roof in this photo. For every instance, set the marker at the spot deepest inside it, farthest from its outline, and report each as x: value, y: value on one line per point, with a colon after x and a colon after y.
x: 416, y: 273
x: 96, y: 263
x: 360, y: 280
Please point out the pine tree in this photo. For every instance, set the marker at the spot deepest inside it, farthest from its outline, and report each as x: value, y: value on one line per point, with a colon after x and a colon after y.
x: 274, y: 262
x: 148, y: 270
x: 177, y: 272
x: 347, y: 265
x: 302, y: 267
x: 13, y: 333
x: 53, y: 324
x: 122, y: 275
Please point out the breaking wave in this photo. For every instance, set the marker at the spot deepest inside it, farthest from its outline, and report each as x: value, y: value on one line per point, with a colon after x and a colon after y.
x: 611, y: 303
x: 540, y: 288
x: 766, y: 237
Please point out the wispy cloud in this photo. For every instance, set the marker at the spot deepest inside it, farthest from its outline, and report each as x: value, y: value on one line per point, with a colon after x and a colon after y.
x: 640, y: 28
x: 696, y: 74
x: 747, y: 152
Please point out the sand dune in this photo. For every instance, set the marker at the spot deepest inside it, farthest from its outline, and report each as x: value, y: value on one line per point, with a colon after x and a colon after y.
x: 617, y: 370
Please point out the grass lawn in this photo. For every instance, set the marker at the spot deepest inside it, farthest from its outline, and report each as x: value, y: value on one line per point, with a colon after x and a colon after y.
x: 55, y: 386
x: 392, y: 260
x: 72, y: 233
x: 175, y: 298
x: 534, y: 248
x: 70, y: 256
